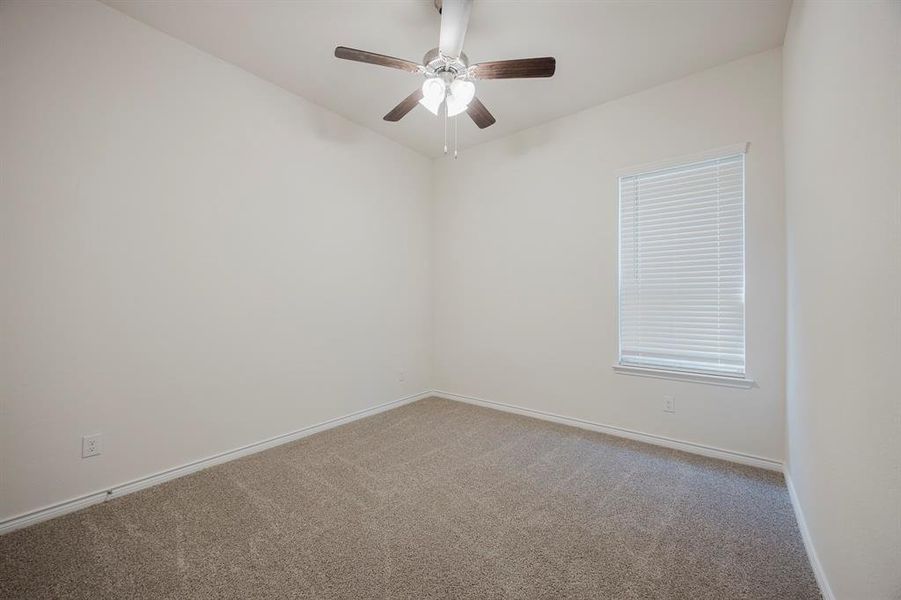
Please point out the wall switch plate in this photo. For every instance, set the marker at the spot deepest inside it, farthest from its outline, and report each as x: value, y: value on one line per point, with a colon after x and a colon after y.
x: 669, y: 404
x: 91, y: 445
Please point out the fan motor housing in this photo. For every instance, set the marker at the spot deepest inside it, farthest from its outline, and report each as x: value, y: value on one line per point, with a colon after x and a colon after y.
x: 435, y: 64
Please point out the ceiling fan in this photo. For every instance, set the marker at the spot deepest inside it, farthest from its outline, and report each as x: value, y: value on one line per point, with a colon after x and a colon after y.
x: 448, y: 75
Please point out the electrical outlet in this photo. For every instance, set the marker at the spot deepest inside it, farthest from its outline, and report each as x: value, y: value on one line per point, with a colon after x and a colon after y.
x: 401, y: 376
x: 669, y: 404
x: 91, y: 445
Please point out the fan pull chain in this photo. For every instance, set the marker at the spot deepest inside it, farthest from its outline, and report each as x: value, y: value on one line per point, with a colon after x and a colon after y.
x: 445, y: 128
x: 455, y: 138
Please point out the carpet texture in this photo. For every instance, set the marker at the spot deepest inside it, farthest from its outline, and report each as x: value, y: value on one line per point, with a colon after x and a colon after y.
x: 436, y: 499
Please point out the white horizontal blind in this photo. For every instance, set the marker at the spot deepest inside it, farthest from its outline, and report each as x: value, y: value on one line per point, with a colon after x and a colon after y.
x: 682, y: 267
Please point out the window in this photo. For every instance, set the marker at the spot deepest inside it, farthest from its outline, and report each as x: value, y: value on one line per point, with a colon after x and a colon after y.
x: 682, y: 267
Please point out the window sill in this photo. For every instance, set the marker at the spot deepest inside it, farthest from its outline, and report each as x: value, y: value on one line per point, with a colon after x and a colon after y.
x: 705, y: 378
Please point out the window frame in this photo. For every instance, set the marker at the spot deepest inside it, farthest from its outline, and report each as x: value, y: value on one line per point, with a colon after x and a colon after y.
x: 738, y: 380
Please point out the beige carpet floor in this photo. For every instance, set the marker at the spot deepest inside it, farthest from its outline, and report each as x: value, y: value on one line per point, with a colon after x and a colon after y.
x: 436, y: 499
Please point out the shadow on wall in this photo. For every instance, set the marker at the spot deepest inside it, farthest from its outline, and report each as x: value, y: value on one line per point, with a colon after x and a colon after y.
x: 524, y: 142
x: 331, y: 127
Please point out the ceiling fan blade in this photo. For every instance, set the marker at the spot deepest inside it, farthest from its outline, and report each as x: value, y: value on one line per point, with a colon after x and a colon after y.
x: 479, y: 114
x: 454, y: 21
x: 405, y: 106
x: 377, y: 59
x: 514, y: 69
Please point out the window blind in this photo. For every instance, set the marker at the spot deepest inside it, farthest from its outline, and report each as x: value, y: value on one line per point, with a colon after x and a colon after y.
x: 682, y: 267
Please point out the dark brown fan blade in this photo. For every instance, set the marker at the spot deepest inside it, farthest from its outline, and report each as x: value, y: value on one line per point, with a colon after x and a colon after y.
x: 479, y: 114
x: 405, y: 106
x: 376, y: 59
x: 515, y: 69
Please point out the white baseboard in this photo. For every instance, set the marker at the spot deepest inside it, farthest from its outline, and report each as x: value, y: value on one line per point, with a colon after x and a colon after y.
x: 51, y: 512
x: 657, y: 440
x: 815, y: 564
x: 67, y: 506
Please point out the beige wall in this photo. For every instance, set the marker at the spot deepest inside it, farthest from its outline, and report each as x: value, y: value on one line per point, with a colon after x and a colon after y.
x: 843, y: 196
x: 525, y: 260
x: 192, y: 259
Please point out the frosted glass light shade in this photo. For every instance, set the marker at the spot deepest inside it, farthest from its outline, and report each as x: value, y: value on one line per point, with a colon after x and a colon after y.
x: 433, y: 104
x: 433, y: 88
x: 461, y: 94
x: 433, y: 91
x: 463, y: 91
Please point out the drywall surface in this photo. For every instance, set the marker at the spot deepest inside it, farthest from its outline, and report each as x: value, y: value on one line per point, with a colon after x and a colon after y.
x: 842, y: 105
x: 192, y: 259
x: 525, y: 259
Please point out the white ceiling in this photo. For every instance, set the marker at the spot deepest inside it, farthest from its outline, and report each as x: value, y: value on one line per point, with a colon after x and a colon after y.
x: 604, y: 50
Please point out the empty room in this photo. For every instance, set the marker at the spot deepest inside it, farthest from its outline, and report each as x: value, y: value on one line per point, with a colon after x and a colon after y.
x: 450, y: 299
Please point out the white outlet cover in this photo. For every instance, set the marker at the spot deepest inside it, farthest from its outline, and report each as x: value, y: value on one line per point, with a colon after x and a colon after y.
x: 669, y: 404
x: 91, y: 445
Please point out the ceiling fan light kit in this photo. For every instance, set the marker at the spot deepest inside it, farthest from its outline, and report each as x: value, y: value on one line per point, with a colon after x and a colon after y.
x: 449, y: 78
